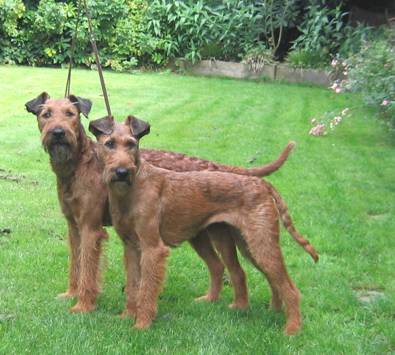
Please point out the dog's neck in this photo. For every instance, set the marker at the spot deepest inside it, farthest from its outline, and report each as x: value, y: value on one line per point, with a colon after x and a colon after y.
x: 66, y: 170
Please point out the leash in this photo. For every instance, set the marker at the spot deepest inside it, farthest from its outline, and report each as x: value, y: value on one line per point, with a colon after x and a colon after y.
x: 95, y: 51
x: 72, y: 50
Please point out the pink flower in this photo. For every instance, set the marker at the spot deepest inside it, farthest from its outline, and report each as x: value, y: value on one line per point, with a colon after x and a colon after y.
x: 334, y: 86
x: 334, y: 62
x: 338, y: 90
x: 345, y: 111
x: 385, y: 102
x: 318, y: 130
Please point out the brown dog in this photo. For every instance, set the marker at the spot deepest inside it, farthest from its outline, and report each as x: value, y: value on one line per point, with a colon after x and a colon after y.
x: 153, y: 208
x: 84, y: 200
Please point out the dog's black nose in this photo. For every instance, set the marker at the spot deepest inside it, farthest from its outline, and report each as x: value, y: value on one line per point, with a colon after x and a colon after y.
x: 122, y: 173
x: 58, y: 133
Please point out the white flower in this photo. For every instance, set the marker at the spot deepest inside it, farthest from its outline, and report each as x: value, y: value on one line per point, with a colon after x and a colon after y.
x: 345, y: 111
x: 337, y: 120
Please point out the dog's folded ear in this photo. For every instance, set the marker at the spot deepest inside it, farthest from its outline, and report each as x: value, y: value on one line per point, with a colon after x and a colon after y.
x: 34, y: 106
x: 101, y: 126
x: 83, y: 105
x: 139, y: 128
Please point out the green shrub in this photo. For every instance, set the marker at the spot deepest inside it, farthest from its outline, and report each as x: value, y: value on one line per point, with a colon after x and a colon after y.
x: 355, y: 36
x: 258, y: 57
x: 10, y: 13
x: 194, y: 30
x: 322, y: 31
x: 235, y: 28
x: 301, y: 58
x: 274, y: 17
x: 372, y: 72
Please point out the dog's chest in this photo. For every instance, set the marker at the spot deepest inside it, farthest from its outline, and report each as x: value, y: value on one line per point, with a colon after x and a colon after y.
x: 123, y: 222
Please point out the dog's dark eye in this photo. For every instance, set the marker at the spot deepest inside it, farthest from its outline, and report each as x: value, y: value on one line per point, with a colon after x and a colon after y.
x: 69, y: 114
x: 46, y: 114
x: 109, y: 144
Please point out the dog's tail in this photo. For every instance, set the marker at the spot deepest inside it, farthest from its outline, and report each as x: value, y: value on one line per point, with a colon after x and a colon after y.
x: 180, y: 162
x: 264, y: 170
x: 288, y: 224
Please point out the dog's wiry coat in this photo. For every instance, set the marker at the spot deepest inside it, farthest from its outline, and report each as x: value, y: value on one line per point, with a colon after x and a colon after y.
x: 153, y: 209
x: 84, y: 200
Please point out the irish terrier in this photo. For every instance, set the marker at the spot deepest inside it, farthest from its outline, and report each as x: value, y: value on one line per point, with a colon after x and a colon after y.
x: 83, y: 199
x: 154, y: 208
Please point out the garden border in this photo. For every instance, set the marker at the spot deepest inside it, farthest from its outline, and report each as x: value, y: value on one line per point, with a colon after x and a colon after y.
x: 243, y: 71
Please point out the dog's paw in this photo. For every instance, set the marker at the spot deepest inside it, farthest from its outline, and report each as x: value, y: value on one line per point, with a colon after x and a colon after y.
x: 66, y: 295
x: 82, y: 308
x: 127, y: 313
x: 142, y: 325
x: 292, y: 328
x: 206, y: 298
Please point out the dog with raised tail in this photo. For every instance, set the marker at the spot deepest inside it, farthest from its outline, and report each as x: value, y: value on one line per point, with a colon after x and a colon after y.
x: 153, y: 209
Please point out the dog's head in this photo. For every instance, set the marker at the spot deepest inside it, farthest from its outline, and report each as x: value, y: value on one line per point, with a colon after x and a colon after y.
x: 119, y: 148
x: 59, y: 123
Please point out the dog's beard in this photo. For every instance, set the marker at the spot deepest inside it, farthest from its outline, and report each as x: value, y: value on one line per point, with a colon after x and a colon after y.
x: 120, y: 183
x: 60, y: 153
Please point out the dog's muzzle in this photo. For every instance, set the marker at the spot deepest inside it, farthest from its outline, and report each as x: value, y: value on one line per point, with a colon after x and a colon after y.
x: 121, y: 175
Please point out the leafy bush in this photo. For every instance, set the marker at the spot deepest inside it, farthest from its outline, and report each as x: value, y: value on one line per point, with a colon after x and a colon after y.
x: 258, y: 57
x: 10, y: 12
x: 235, y: 27
x: 322, y: 31
x: 372, y: 72
x: 301, y: 58
x: 181, y: 28
x: 195, y: 30
x: 355, y: 36
x: 47, y: 25
x: 275, y: 16
x: 43, y: 34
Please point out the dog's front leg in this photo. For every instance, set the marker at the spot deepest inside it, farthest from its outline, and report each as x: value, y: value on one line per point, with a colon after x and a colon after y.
x: 153, y: 267
x: 88, y: 283
x: 74, y: 264
x: 132, y: 256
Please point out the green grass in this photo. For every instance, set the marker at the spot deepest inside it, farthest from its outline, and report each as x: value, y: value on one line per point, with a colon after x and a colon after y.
x: 340, y: 190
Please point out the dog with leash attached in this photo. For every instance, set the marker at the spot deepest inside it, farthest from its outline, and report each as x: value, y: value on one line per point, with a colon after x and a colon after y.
x: 153, y: 209
x: 83, y: 198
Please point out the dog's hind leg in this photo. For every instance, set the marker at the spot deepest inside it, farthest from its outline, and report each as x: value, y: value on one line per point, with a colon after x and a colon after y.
x: 221, y: 235
x: 203, y: 247
x: 262, y: 242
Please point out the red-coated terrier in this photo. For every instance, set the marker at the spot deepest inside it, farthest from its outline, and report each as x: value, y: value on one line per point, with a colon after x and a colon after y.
x: 83, y: 198
x: 154, y: 208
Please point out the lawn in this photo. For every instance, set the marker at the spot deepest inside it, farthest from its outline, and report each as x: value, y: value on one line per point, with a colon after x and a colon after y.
x: 340, y: 191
